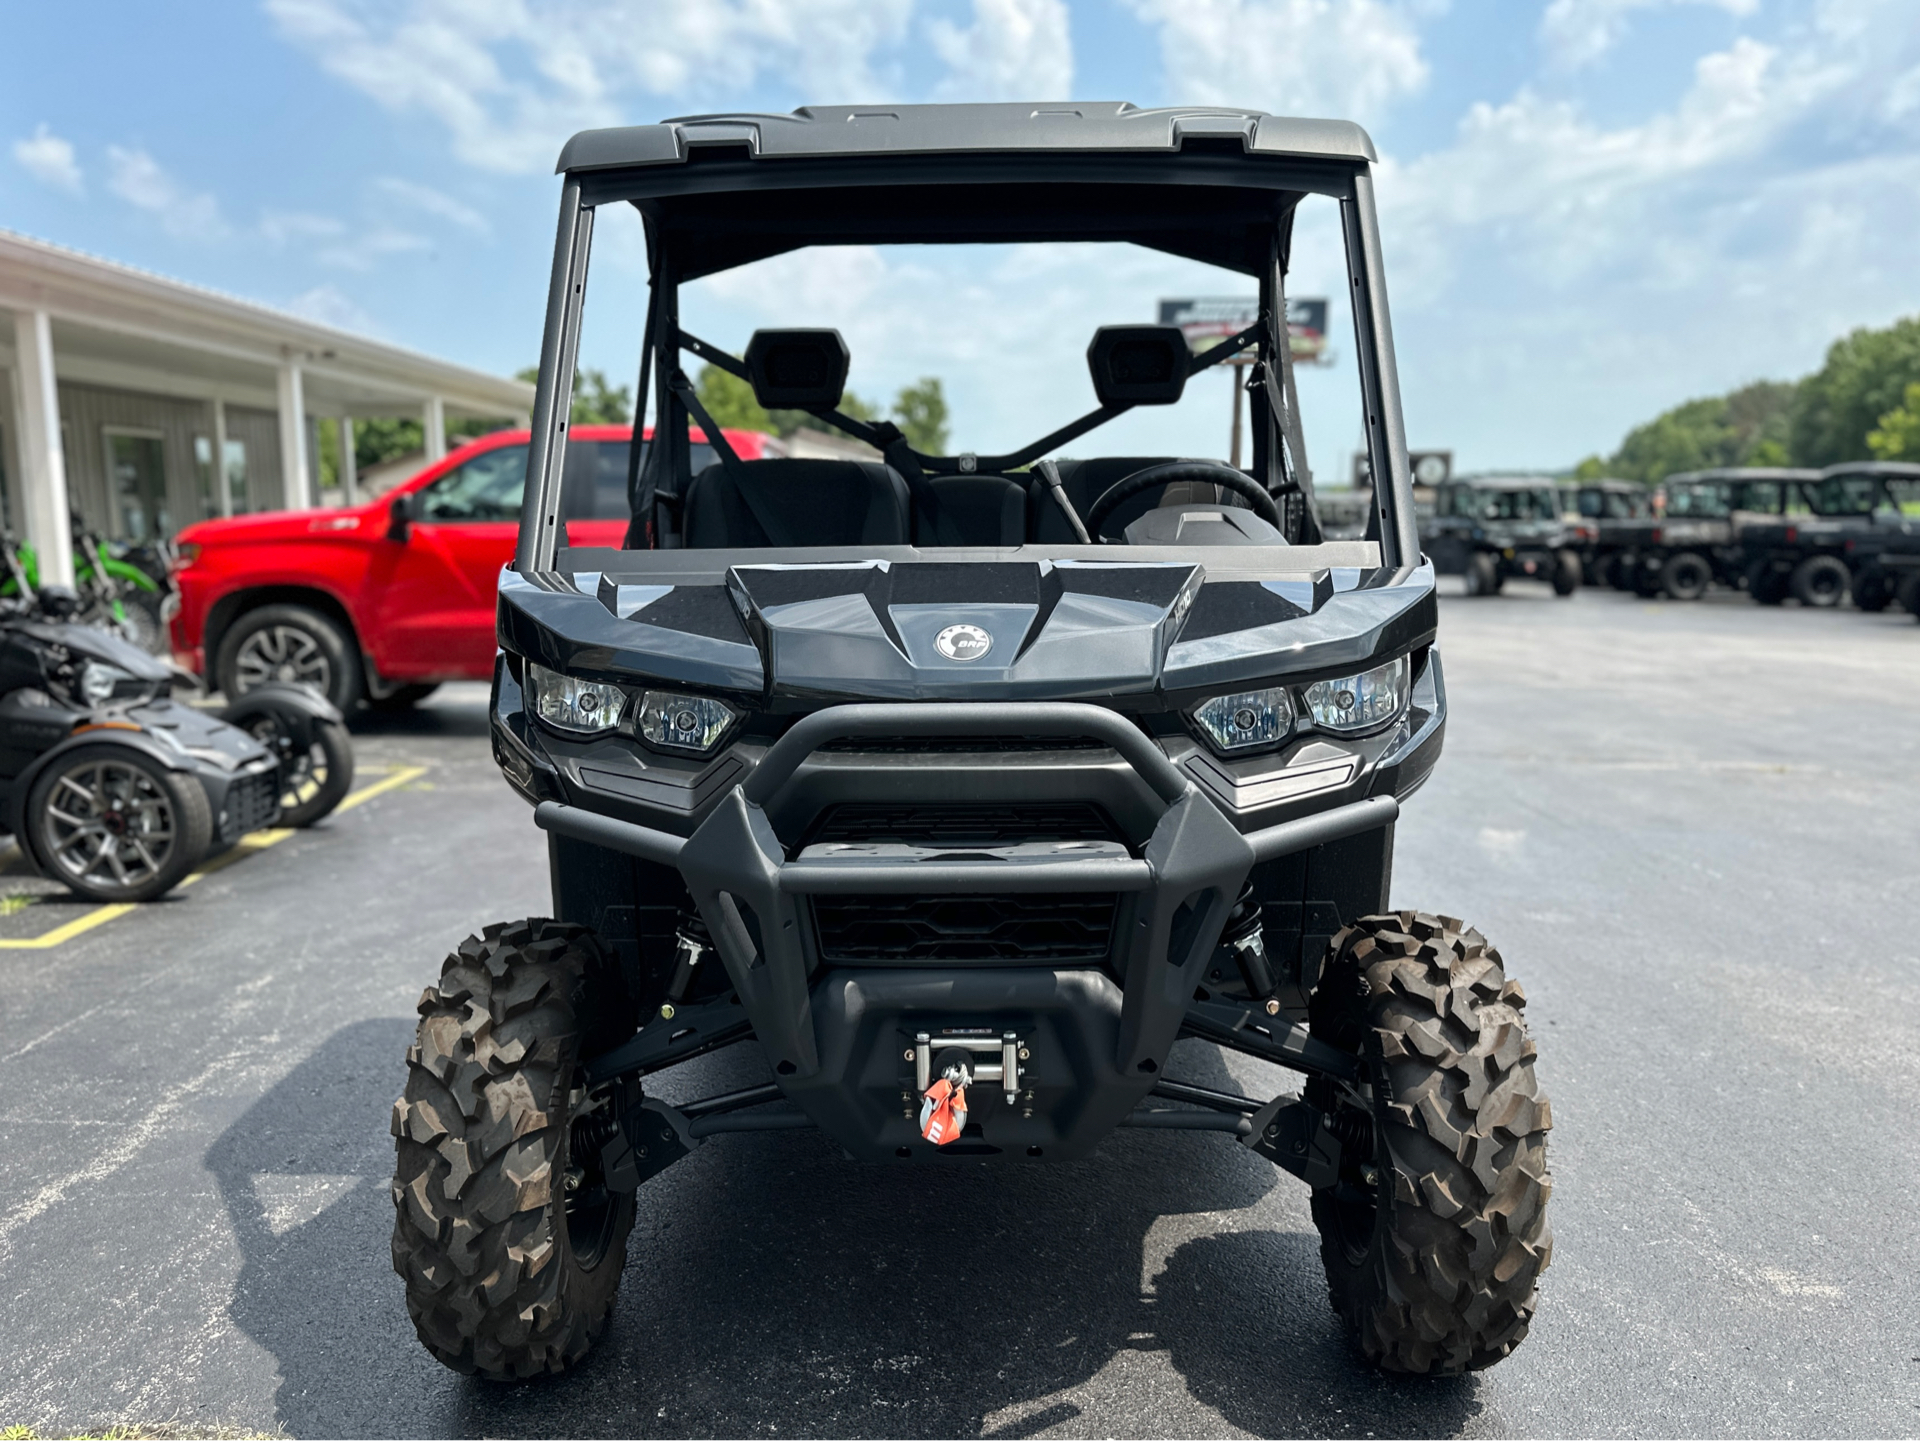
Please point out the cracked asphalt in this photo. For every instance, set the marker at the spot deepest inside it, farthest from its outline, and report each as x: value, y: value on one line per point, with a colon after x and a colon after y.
x: 1693, y: 830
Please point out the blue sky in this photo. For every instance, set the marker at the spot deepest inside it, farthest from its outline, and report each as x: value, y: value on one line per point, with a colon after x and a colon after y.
x: 1592, y: 208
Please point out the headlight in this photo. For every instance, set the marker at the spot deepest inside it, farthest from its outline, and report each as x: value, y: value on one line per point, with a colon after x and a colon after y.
x: 1250, y: 720
x: 98, y: 681
x: 1360, y: 702
x: 694, y: 723
x: 579, y: 707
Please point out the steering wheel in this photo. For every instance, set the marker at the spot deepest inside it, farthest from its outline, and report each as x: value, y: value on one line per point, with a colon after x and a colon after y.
x: 1211, y: 472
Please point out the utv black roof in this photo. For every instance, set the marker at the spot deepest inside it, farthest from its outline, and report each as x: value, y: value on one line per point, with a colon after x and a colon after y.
x: 1736, y: 472
x: 1893, y: 469
x: 1065, y: 127
x: 877, y: 175
x: 1501, y: 482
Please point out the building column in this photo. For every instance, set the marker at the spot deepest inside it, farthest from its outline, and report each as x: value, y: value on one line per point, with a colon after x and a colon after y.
x: 43, y: 461
x: 433, y: 423
x: 349, y: 472
x: 222, y: 487
x: 296, y: 490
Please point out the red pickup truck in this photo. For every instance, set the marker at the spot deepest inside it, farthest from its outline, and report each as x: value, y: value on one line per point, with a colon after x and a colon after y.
x: 379, y: 603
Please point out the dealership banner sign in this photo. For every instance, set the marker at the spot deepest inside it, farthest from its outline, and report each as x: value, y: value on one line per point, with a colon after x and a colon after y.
x: 1207, y: 322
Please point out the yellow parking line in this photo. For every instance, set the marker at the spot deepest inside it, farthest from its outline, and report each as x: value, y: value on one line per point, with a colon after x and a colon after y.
x: 247, y: 845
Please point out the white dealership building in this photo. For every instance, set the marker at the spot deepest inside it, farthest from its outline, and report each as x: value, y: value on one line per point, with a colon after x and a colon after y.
x: 141, y: 404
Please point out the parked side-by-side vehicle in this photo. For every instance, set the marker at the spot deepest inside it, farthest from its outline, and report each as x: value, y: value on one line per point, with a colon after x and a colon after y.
x: 960, y: 787
x: 1496, y: 528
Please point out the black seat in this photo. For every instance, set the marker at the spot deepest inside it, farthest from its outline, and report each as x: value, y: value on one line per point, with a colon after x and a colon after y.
x: 805, y: 502
x: 1086, y: 480
x: 977, y: 510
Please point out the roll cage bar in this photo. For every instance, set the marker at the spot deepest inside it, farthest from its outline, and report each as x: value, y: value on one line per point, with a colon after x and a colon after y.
x: 655, y: 482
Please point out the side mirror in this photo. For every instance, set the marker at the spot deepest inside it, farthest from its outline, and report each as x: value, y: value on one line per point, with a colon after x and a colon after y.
x: 401, y: 514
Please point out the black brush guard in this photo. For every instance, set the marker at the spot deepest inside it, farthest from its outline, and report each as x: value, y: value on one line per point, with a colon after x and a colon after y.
x: 840, y: 1039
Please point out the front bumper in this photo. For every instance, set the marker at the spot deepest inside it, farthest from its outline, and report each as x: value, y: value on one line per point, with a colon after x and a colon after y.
x: 841, y: 1037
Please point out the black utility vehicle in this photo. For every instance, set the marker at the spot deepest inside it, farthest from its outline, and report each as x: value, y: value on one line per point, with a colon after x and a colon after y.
x: 1594, y: 510
x: 1899, y: 562
x: 1855, y: 510
x: 1496, y: 528
x: 963, y: 791
x: 1695, y: 539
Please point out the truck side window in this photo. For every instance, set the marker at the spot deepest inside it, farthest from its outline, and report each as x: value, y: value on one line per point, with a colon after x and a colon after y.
x: 488, y: 487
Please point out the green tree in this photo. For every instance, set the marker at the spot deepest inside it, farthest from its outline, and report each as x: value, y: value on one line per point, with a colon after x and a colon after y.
x: 1865, y: 377
x: 1592, y: 468
x: 920, y: 410
x: 1897, y: 437
x: 595, y: 402
x: 1748, y: 426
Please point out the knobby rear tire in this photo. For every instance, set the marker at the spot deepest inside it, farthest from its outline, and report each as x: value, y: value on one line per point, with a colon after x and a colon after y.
x: 484, y: 1140
x: 1434, y: 1268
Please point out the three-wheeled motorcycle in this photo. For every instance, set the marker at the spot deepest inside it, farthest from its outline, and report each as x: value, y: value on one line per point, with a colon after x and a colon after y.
x: 117, y: 790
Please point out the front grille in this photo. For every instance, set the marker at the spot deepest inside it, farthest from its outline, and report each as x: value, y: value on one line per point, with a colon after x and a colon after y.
x: 1074, y: 927
x: 252, y: 802
x: 943, y: 826
x: 957, y: 745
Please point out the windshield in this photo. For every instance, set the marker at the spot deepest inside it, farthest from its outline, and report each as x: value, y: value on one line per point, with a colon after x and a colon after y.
x: 1700, y: 499
x: 1864, y: 495
x: 991, y: 394
x: 1506, y: 504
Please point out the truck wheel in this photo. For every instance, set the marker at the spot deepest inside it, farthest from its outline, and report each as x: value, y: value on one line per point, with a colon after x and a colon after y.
x: 1483, y: 575
x: 508, y: 1239
x: 1566, y: 573
x: 1910, y: 594
x: 289, y: 643
x: 1872, y: 590
x: 1763, y: 584
x: 1436, y: 1233
x: 114, y: 826
x: 1820, y: 580
x: 1686, y: 576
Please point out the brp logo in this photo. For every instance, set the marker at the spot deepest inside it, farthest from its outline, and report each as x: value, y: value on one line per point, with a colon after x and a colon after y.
x: 963, y: 642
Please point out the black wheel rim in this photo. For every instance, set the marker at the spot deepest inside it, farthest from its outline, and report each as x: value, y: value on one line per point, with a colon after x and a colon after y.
x: 590, y: 1209
x: 108, y: 825
x: 303, y: 774
x: 282, y: 653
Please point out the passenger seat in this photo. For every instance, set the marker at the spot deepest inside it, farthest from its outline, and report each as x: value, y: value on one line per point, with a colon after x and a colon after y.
x: 805, y: 502
x: 977, y: 510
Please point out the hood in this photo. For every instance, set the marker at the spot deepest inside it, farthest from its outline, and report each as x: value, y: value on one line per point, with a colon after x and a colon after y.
x: 96, y: 644
x: 1031, y: 630
x: 285, y: 525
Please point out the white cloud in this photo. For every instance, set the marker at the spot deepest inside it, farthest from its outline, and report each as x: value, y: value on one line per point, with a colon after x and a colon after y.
x: 365, y: 248
x: 1014, y: 50
x: 1557, y: 280
x: 136, y: 177
x: 431, y: 202
x: 510, y: 80
x: 1578, y: 32
x: 281, y: 226
x: 1348, y: 59
x: 49, y: 159
x: 327, y: 305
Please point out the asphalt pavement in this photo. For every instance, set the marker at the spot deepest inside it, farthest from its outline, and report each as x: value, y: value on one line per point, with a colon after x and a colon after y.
x: 1693, y: 831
